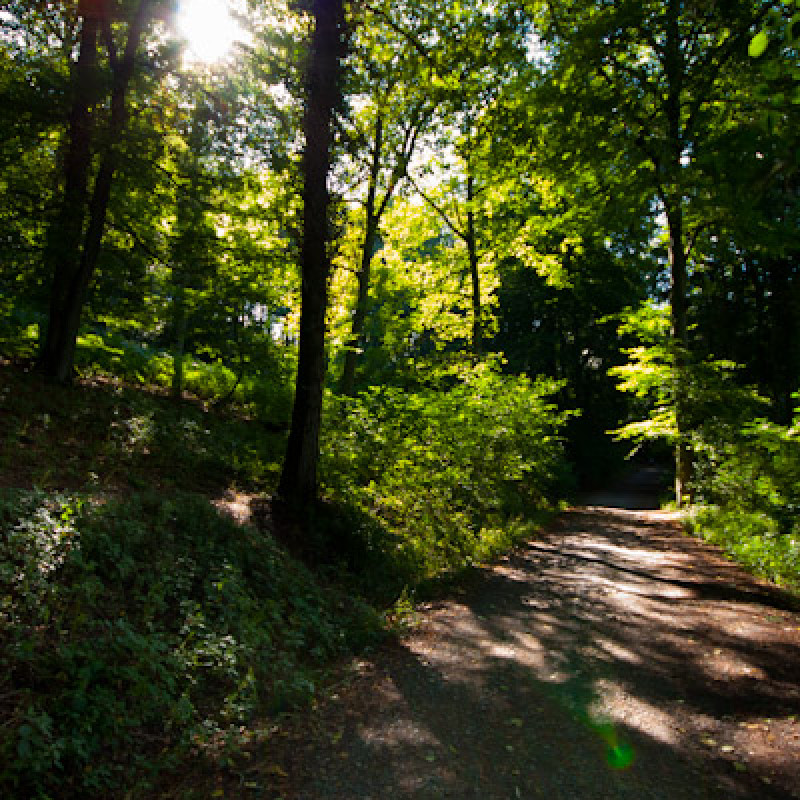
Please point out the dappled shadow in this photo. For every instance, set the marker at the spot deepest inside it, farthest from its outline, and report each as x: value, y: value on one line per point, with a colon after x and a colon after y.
x: 717, y: 579
x: 613, y: 639
x: 100, y: 435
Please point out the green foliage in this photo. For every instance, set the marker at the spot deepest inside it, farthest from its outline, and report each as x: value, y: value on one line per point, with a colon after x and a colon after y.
x: 266, y: 396
x: 133, y: 629
x: 113, y: 354
x: 19, y: 331
x: 746, y: 476
x: 570, y: 332
x: 758, y: 44
x: 753, y: 539
x: 107, y: 437
x: 443, y: 469
x: 781, y: 27
x: 715, y: 399
x: 648, y: 375
x: 748, y: 480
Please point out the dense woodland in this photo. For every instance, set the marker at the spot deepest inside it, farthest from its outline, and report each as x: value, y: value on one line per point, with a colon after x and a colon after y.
x: 405, y: 275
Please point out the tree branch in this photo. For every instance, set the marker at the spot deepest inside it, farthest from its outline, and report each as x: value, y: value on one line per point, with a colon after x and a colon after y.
x: 438, y: 209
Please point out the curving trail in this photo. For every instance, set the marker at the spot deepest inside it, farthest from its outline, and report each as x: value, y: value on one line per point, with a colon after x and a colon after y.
x: 614, y: 657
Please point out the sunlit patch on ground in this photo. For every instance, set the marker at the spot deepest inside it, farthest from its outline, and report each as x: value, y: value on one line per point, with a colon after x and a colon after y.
x: 613, y: 658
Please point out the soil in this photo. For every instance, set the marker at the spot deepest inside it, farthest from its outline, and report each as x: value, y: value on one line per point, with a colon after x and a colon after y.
x: 612, y: 657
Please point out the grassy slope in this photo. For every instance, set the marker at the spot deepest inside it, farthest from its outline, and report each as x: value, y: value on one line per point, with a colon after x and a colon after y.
x: 138, y: 625
x: 102, y: 436
x: 141, y: 629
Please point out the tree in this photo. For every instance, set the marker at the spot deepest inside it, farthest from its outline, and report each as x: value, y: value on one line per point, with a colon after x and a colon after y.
x: 635, y: 90
x: 473, y: 41
x: 33, y: 81
x: 298, y: 483
x: 76, y: 234
x: 382, y: 137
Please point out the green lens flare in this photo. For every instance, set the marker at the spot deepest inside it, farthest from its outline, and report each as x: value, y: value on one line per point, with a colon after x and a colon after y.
x: 620, y: 756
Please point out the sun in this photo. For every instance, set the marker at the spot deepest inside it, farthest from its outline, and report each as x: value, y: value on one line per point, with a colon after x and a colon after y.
x: 209, y: 29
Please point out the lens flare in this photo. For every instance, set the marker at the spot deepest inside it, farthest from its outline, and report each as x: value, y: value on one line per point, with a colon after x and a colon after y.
x: 209, y: 29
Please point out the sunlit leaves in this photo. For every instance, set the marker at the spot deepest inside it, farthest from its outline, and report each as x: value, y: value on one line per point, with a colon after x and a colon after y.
x: 758, y: 44
x: 444, y: 463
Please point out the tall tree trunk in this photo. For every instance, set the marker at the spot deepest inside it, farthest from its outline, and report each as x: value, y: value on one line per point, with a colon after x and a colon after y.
x: 680, y: 341
x: 472, y: 251
x: 75, y: 267
x: 63, y: 253
x: 356, y: 338
x: 298, y: 484
x: 783, y: 337
x: 673, y: 202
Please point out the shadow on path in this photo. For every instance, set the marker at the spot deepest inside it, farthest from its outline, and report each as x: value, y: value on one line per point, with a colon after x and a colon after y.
x: 614, y: 657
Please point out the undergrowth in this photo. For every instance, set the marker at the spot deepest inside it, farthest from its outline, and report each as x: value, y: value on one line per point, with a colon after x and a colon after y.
x: 136, y: 629
x: 139, y: 627
x: 754, y: 540
x: 102, y: 435
x: 442, y: 477
x: 262, y: 390
x: 748, y: 492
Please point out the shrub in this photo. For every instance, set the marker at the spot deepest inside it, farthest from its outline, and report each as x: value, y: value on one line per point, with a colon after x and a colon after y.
x: 441, y: 470
x: 746, y: 480
x: 132, y: 628
x: 748, y: 477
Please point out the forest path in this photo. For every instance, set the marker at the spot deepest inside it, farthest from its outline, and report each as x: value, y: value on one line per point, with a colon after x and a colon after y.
x: 613, y: 657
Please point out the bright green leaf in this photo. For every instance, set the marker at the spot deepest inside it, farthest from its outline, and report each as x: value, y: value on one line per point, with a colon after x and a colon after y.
x: 758, y: 44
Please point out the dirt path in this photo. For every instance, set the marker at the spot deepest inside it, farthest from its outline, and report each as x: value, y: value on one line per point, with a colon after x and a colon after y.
x: 614, y: 657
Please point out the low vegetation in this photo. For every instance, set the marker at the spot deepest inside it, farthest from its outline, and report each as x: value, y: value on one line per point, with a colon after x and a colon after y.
x: 749, y: 497
x: 136, y: 628
x: 139, y: 624
x: 451, y: 473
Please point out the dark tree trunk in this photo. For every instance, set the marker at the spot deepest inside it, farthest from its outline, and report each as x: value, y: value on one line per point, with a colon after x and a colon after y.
x: 673, y: 202
x: 298, y: 484
x: 374, y: 213
x: 179, y: 345
x: 680, y: 341
x: 63, y: 254
x: 74, y: 266
x: 356, y: 339
x: 472, y: 250
x: 784, y: 336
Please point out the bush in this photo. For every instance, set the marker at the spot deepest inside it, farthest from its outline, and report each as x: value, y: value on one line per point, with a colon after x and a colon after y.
x: 442, y: 470
x: 746, y: 469
x: 131, y: 629
x: 264, y: 391
x: 19, y: 330
x: 748, y: 477
x: 753, y: 539
x: 112, y: 354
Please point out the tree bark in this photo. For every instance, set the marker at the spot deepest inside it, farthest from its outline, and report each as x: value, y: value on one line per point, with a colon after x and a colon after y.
x: 179, y: 345
x: 63, y: 253
x: 356, y: 339
x: 680, y: 341
x: 673, y: 201
x: 472, y: 251
x: 74, y: 266
x: 468, y: 235
x: 374, y: 213
x: 298, y: 483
